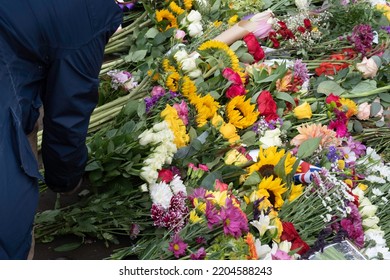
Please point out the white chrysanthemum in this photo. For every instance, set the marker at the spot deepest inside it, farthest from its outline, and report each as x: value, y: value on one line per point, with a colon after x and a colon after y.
x: 383, y: 170
x: 177, y: 185
x: 145, y: 137
x: 161, y: 194
x: 377, y: 192
x: 375, y: 179
x: 373, y: 154
x: 160, y: 126
x: 148, y: 174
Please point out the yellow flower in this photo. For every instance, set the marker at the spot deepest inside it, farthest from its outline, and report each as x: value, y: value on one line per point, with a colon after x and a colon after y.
x: 269, y: 158
x: 234, y: 157
x: 218, y: 198
x: 350, y: 106
x: 341, y: 164
x: 229, y: 132
x: 363, y: 187
x: 232, y: 20
x: 272, y: 189
x: 155, y: 77
x: 284, y: 83
x: 172, y: 81
x: 278, y: 230
x: 206, y: 108
x: 189, y: 89
x: 303, y: 111
x: 175, y: 8
x: 385, y: 9
x: 194, y: 218
x: 217, y: 121
x: 188, y: 4
x: 217, y: 23
x: 167, y: 67
x: 200, y: 206
x: 241, y: 113
x: 166, y: 15
x: 296, y: 191
x: 176, y: 125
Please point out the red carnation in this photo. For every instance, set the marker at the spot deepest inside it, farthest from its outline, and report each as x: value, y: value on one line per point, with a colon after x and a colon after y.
x: 231, y: 76
x: 254, y: 47
x: 267, y: 106
x: 333, y: 98
x: 307, y: 24
x: 290, y: 234
x: 235, y: 90
x: 165, y: 175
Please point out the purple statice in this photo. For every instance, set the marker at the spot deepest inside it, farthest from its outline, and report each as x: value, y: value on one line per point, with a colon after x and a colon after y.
x: 362, y: 37
x: 300, y: 70
x: 173, y: 218
x: 177, y: 246
x: 233, y: 219
x: 199, y: 255
x: 353, y: 225
x: 357, y: 147
x: 386, y: 28
x: 332, y: 155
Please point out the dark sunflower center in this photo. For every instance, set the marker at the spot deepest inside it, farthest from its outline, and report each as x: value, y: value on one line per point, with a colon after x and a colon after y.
x: 267, y: 170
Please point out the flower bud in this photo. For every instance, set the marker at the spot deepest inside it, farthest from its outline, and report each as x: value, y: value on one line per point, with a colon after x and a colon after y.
x: 195, y: 29
x: 368, y: 67
x: 194, y: 16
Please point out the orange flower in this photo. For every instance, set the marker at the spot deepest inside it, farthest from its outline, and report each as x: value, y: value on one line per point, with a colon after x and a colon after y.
x: 250, y: 240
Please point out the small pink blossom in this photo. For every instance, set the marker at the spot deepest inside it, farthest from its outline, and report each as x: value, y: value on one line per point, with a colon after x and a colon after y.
x: 180, y: 34
x: 177, y: 246
x: 220, y: 186
x: 182, y: 111
x: 364, y: 111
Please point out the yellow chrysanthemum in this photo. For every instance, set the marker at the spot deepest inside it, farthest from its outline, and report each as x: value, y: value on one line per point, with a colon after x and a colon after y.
x: 188, y: 4
x: 232, y: 20
x: 269, y: 158
x: 172, y: 81
x: 385, y: 9
x: 200, y: 206
x: 176, y: 125
x: 350, y: 105
x: 206, y: 108
x: 272, y: 188
x: 175, y: 8
x: 167, y: 15
x: 217, y: 198
x: 241, y: 112
x: 296, y: 191
x: 214, y: 44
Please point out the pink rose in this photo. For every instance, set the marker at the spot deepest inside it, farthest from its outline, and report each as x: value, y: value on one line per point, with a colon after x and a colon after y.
x: 364, y: 111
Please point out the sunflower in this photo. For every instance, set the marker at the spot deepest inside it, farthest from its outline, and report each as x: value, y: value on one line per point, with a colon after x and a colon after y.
x: 241, y: 113
x: 167, y: 66
x: 172, y: 81
x: 164, y: 14
x: 272, y: 188
x: 269, y: 158
x: 295, y: 192
x: 206, y: 107
x: 175, y: 8
x: 188, y: 4
x: 189, y: 89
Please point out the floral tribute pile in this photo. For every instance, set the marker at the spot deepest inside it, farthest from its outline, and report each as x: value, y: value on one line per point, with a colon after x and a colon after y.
x: 262, y: 133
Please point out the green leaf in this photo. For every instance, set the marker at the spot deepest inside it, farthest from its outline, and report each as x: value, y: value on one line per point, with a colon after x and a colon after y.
x: 67, y: 247
x: 328, y: 87
x: 352, y: 80
x: 285, y: 96
x: 48, y: 216
x: 385, y: 97
x: 375, y: 108
x: 308, y: 147
x: 209, y: 180
x: 253, y: 179
x: 249, y: 138
x: 357, y: 126
x: 247, y: 58
x: 95, y: 165
x: 364, y: 86
x: 130, y: 108
x: 139, y: 55
x: 151, y: 33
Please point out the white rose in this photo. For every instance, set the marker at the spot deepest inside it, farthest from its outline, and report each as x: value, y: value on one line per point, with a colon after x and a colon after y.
x: 194, y: 16
x: 368, y: 211
x: 180, y: 55
x: 371, y: 222
x: 368, y: 67
x: 188, y: 64
x: 161, y: 126
x: 145, y: 138
x: 195, y: 29
x: 364, y: 111
x: 271, y: 138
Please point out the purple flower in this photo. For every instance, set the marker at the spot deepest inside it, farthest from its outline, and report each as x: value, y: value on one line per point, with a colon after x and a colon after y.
x: 177, y: 246
x: 300, y: 70
x: 361, y: 38
x: 281, y: 255
x: 353, y: 225
x: 158, y: 91
x: 199, y: 255
x: 212, y: 215
x: 332, y: 154
x: 233, y: 220
x: 386, y: 28
x: 134, y: 231
x: 357, y: 147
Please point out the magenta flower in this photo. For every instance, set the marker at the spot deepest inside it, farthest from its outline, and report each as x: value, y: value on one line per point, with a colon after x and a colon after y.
x: 232, y: 76
x: 199, y: 255
x: 234, y: 221
x: 353, y: 225
x: 203, y: 167
x: 281, y: 255
x: 158, y: 91
x: 177, y: 246
x: 212, y: 215
x: 182, y: 111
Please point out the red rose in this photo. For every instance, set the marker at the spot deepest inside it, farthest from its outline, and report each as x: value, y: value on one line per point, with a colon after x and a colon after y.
x: 267, y: 106
x: 165, y: 175
x: 307, y: 23
x: 235, y: 90
x: 254, y: 47
x: 231, y: 76
x: 301, y: 29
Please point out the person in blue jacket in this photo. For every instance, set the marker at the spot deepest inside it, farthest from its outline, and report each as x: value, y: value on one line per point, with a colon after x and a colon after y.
x: 51, y: 53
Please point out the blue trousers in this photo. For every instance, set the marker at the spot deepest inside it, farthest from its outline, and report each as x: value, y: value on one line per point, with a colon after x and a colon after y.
x: 51, y: 53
